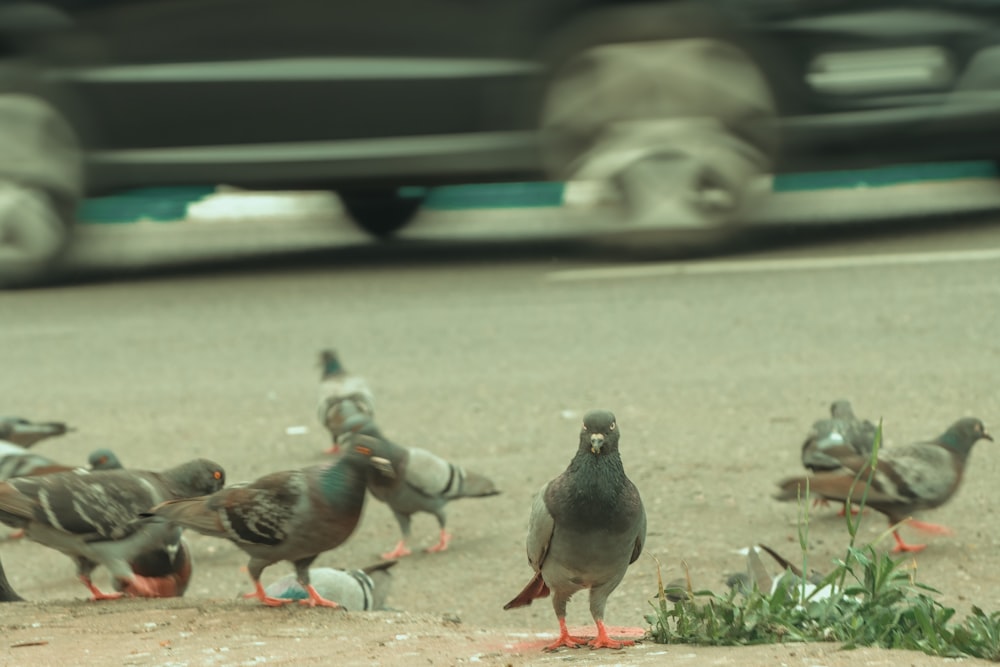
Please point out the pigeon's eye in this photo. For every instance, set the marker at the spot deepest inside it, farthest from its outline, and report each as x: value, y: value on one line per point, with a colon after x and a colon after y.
x: 217, y: 475
x: 612, y: 427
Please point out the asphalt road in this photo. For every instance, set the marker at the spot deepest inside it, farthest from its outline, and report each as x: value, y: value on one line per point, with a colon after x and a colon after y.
x: 490, y: 354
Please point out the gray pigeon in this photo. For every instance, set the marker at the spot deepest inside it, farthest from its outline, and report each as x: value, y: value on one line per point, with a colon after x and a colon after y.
x: 914, y: 477
x: 25, y: 433
x: 842, y: 435
x: 422, y: 482
x: 104, y: 459
x: 293, y: 515
x: 587, y: 526
x: 341, y: 395
x: 91, y: 515
x: 354, y: 590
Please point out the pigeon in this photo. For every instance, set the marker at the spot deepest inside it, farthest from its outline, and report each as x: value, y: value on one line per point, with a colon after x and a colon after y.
x: 293, y: 515
x: 421, y: 482
x: 843, y: 434
x: 7, y: 592
x: 906, y: 479
x: 25, y: 433
x: 341, y: 395
x: 91, y: 515
x: 103, y: 459
x: 354, y: 590
x: 163, y: 571
x: 17, y: 461
x: 587, y: 526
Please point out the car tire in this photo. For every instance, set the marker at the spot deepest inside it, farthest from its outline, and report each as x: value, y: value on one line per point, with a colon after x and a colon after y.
x: 381, y: 212
x: 680, y: 128
x: 41, y: 181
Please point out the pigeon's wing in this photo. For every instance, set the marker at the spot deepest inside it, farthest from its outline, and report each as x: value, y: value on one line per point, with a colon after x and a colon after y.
x: 640, y: 538
x: 430, y: 475
x: 540, y: 526
x: 96, y: 506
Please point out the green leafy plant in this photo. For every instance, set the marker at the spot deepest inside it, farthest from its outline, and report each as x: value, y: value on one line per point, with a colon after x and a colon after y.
x: 868, y: 599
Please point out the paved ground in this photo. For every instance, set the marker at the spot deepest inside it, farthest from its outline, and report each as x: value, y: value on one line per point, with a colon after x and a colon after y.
x: 489, y: 357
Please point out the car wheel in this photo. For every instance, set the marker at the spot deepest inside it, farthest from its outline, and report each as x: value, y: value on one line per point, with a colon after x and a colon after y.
x: 41, y: 184
x: 381, y: 212
x: 680, y: 130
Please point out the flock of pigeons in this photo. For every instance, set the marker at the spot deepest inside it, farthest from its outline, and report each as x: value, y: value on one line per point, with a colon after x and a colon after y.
x: 586, y: 526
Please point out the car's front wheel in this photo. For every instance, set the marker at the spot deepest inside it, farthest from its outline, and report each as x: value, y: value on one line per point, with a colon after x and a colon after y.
x: 381, y: 211
x: 680, y: 127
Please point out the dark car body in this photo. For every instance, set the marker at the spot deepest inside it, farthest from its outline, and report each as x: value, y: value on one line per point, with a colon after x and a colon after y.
x: 283, y: 93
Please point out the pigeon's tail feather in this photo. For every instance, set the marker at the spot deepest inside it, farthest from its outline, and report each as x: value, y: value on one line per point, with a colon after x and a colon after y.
x: 474, y: 485
x: 7, y: 592
x: 190, y: 513
x: 835, y: 486
x: 381, y: 566
x: 535, y: 589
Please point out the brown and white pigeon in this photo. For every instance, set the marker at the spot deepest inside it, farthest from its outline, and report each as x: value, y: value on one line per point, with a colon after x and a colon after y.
x: 422, y: 482
x: 907, y: 479
x: 587, y: 526
x: 354, y: 590
x: 91, y: 516
x: 292, y: 516
x: 25, y: 433
x: 842, y: 435
x: 341, y: 396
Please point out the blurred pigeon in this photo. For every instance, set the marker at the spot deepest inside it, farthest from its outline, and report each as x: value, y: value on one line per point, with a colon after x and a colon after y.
x: 291, y: 516
x: 354, y: 590
x: 91, y: 515
x: 104, y: 459
x: 163, y: 571
x: 17, y: 461
x: 587, y: 526
x: 7, y: 592
x: 913, y: 477
x: 25, y: 433
x: 341, y: 395
x: 843, y: 434
x: 422, y: 482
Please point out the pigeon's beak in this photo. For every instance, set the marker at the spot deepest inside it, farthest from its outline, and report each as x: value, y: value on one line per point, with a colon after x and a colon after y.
x: 383, y: 466
x: 596, y: 443
x: 987, y: 436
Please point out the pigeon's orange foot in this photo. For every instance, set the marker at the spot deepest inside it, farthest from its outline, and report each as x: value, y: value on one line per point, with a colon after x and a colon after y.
x: 333, y: 449
x: 398, y: 552
x: 146, y: 587
x: 317, y: 600
x: 16, y: 535
x: 442, y: 544
x: 854, y: 511
x: 97, y: 592
x: 933, y: 528
x: 264, y: 597
x: 566, y: 640
x: 602, y: 640
x: 902, y: 546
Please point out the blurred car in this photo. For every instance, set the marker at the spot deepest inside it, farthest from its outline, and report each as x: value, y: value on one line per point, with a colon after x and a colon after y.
x: 681, y: 106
